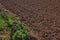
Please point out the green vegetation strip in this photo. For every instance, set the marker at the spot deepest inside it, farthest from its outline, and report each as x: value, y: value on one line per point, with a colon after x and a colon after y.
x: 9, y: 21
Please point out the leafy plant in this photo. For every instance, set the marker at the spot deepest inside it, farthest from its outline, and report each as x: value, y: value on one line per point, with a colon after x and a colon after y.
x: 3, y: 25
x: 17, y: 28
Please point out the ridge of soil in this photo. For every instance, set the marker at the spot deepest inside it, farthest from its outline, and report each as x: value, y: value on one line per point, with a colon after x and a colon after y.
x: 42, y: 16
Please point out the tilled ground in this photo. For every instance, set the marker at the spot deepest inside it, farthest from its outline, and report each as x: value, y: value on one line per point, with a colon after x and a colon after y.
x: 42, y: 16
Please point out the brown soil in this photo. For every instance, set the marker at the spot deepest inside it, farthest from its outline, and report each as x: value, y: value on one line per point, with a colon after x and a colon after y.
x: 42, y: 16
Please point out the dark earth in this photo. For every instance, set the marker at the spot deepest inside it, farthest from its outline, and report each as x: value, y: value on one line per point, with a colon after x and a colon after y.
x: 42, y: 16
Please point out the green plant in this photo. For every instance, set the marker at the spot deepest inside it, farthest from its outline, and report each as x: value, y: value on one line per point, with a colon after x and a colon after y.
x: 3, y: 25
x: 21, y: 33
x: 17, y: 29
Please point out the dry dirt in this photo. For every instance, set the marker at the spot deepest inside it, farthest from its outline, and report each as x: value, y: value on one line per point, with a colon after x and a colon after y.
x: 42, y: 16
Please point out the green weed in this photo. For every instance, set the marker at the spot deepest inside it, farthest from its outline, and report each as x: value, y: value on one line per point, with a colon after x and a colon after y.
x: 15, y: 26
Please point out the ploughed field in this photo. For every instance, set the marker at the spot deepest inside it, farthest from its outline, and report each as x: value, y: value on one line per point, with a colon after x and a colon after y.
x: 42, y: 16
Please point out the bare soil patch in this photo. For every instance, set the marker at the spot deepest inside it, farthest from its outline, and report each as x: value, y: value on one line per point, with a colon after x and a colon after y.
x: 42, y: 16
